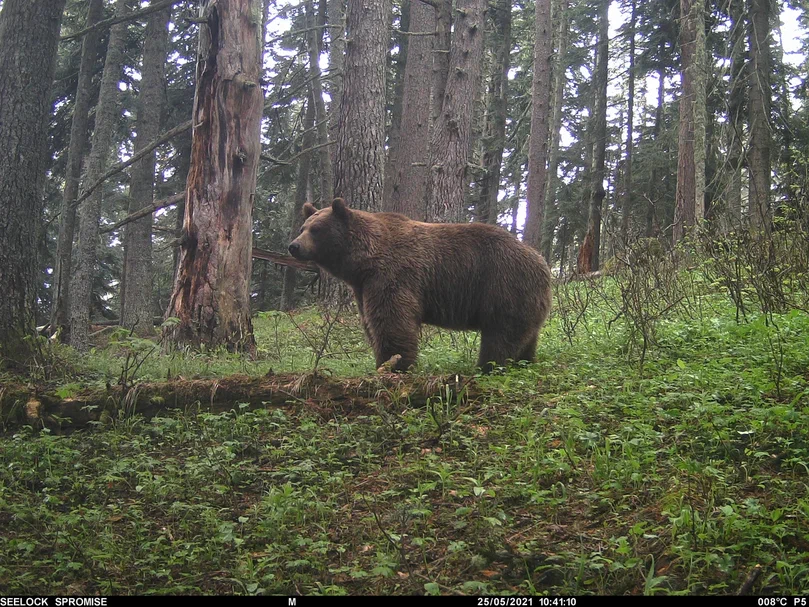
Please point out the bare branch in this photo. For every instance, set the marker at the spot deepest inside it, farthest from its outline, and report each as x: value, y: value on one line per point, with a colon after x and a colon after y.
x: 159, y: 6
x: 289, y: 161
x: 148, y: 210
x: 117, y: 168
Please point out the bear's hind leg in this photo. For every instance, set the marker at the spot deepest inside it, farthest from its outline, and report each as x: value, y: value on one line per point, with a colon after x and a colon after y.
x: 529, y: 352
x: 495, y: 350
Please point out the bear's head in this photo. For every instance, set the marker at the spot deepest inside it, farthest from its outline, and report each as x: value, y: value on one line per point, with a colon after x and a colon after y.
x: 324, y: 235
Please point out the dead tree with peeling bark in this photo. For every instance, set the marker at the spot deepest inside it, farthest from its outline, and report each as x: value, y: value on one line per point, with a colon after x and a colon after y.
x: 211, y: 293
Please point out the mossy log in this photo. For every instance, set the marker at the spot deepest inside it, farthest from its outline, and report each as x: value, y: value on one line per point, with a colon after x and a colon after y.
x: 21, y: 405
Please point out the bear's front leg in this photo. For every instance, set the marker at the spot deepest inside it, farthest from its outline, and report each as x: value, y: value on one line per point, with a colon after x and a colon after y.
x: 393, y: 327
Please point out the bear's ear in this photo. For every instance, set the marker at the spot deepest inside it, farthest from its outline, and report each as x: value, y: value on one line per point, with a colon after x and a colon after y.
x: 308, y: 210
x: 339, y: 208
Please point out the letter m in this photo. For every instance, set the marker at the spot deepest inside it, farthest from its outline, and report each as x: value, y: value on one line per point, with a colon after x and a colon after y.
x: 292, y: 602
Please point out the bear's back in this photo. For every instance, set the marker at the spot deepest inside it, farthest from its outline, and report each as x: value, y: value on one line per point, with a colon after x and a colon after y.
x: 465, y: 274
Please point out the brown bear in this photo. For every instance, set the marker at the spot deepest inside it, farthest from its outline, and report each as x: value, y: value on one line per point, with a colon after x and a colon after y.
x: 457, y: 276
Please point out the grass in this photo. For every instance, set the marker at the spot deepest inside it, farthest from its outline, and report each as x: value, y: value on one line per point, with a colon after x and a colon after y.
x: 583, y: 473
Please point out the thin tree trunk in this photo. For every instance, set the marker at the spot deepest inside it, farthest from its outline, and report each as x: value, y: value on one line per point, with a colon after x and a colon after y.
x: 337, y: 49
x: 396, y: 68
x: 184, y: 163
x: 107, y: 111
x: 516, y: 178
x: 360, y: 153
x: 626, y: 203
x: 30, y: 35
x: 735, y: 128
x: 540, y: 125
x: 75, y: 154
x: 559, y: 80
x: 654, y: 186
x: 406, y: 173
x: 597, y: 192
x: 758, y: 156
x: 690, y: 160
x: 319, y: 106
x: 495, y: 139
x: 211, y: 295
x: 441, y: 50
x: 304, y: 169
x: 136, y: 298
x: 449, y: 145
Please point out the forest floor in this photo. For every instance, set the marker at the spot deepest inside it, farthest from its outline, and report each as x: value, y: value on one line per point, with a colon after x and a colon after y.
x: 584, y: 473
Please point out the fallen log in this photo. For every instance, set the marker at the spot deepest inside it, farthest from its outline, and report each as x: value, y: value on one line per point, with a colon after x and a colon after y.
x: 20, y: 406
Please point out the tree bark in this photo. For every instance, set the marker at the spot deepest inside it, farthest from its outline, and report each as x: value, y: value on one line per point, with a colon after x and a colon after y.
x: 304, y: 169
x: 30, y: 35
x: 495, y: 138
x: 758, y: 155
x: 136, y: 297
x: 691, y: 148
x: 107, y: 111
x: 449, y: 145
x: 597, y: 192
x: 405, y: 177
x: 540, y: 125
x: 75, y: 154
x: 211, y: 294
x: 360, y: 155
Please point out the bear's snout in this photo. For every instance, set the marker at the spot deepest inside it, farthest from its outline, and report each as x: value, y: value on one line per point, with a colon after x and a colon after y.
x: 294, y: 249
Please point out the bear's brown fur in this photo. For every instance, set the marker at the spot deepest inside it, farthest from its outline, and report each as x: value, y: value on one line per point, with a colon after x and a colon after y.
x: 405, y: 273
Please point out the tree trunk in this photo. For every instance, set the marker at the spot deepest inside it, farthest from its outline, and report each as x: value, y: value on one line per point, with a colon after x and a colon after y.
x: 314, y: 38
x: 540, y: 125
x: 758, y: 155
x: 735, y: 126
x: 136, y: 298
x: 449, y: 145
x: 626, y: 202
x: 654, y: 186
x: 597, y: 192
x: 360, y: 155
x: 396, y: 69
x: 691, y: 148
x: 30, y: 35
x: 405, y: 178
x: 559, y: 80
x: 337, y: 49
x: 304, y: 168
x: 107, y: 111
x: 184, y: 163
x: 75, y: 155
x: 516, y: 179
x: 495, y: 138
x: 441, y: 51
x: 212, y: 295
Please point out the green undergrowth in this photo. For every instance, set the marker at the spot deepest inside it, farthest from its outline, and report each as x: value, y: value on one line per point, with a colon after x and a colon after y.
x: 583, y: 473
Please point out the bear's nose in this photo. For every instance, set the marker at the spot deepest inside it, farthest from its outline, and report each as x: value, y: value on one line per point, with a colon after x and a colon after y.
x: 294, y: 249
